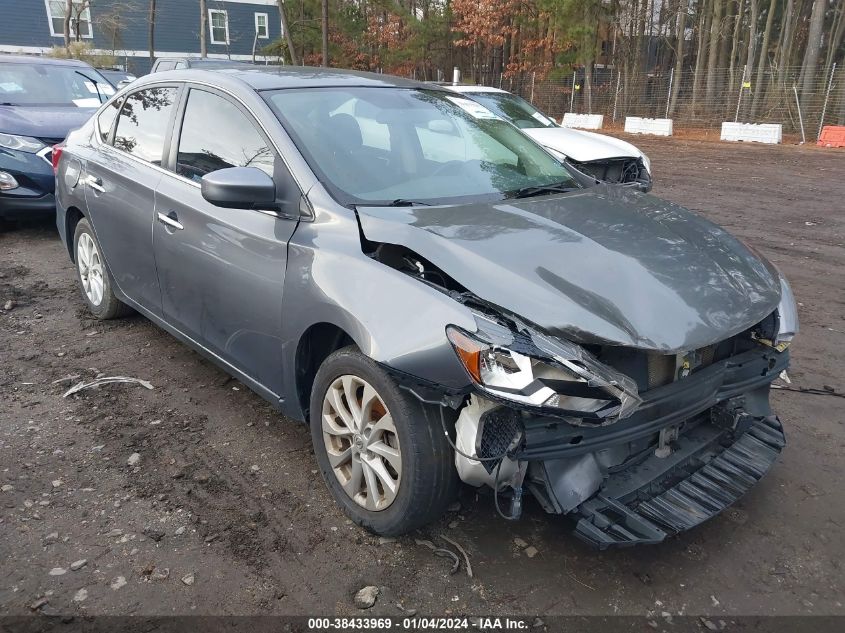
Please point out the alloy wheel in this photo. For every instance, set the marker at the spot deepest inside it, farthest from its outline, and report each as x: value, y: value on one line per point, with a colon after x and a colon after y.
x: 361, y: 442
x: 91, y: 270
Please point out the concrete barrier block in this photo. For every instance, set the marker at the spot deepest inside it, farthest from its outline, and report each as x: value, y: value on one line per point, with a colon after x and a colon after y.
x: 583, y: 121
x: 754, y: 132
x: 640, y: 125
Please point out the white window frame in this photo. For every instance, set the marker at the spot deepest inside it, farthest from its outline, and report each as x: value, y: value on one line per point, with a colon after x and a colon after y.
x: 86, y: 17
x: 211, y: 26
x: 266, y: 17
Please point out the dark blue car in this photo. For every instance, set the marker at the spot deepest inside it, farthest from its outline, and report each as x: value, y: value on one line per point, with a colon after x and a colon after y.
x: 41, y: 100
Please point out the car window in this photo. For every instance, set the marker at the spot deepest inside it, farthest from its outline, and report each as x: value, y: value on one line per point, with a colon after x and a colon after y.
x: 514, y: 109
x: 379, y: 145
x: 215, y: 135
x: 40, y: 84
x: 106, y: 118
x: 180, y: 65
x: 165, y: 65
x: 143, y: 121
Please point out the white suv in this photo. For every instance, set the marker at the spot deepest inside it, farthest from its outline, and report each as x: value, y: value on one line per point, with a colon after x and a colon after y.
x: 603, y: 157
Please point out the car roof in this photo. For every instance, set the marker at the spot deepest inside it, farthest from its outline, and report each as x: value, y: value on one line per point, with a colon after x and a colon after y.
x: 468, y: 88
x: 47, y: 61
x: 280, y: 77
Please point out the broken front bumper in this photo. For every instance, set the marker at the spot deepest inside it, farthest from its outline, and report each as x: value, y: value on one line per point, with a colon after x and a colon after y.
x: 716, y: 436
x: 635, y: 507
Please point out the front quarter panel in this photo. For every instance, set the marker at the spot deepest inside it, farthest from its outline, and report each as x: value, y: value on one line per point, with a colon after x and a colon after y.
x: 394, y: 319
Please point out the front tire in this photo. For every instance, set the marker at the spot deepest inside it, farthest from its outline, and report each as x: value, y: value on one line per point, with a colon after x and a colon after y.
x: 95, y: 281
x: 382, y: 454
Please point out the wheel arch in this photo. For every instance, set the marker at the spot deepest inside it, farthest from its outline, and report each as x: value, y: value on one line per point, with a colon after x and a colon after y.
x: 314, y: 346
x: 73, y: 215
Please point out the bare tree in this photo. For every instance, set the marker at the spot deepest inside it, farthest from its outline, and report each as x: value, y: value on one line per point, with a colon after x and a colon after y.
x: 68, y: 13
x: 287, y: 33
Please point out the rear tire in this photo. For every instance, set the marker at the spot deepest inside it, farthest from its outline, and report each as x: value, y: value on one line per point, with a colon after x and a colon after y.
x: 401, y: 443
x: 93, y: 275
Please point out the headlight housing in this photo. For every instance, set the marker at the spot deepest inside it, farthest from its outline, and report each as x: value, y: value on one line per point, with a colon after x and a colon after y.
x: 21, y: 143
x: 552, y: 376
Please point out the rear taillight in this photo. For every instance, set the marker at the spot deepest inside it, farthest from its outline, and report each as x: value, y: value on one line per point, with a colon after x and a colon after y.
x: 56, y: 155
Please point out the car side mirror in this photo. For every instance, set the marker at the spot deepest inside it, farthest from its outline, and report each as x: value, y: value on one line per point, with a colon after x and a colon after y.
x: 239, y: 188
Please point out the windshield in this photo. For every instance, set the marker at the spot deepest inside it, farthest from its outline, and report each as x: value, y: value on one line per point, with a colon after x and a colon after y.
x: 52, y: 85
x: 515, y: 109
x: 408, y: 146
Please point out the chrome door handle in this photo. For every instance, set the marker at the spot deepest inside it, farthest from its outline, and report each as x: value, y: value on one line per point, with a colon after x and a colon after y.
x: 172, y: 222
x: 95, y: 183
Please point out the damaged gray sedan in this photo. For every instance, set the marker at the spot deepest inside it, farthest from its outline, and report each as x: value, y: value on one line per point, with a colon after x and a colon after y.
x: 436, y: 295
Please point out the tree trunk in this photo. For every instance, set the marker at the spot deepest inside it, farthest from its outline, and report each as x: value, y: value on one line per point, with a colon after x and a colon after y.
x: 703, y: 27
x: 752, y: 35
x: 735, y: 47
x: 287, y: 33
x: 837, y: 33
x: 732, y: 17
x: 814, y: 42
x: 325, y: 27
x: 764, y: 56
x: 680, y: 28
x: 713, y: 54
x: 151, y: 21
x: 787, y: 29
x: 203, y: 29
x: 68, y: 13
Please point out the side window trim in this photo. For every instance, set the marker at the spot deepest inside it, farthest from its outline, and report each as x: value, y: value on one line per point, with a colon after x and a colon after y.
x: 110, y: 136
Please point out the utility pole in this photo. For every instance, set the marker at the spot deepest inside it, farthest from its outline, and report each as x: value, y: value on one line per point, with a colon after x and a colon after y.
x: 203, y: 29
x: 152, y: 31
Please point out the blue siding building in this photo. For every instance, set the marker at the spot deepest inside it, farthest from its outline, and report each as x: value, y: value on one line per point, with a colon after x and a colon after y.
x: 234, y: 28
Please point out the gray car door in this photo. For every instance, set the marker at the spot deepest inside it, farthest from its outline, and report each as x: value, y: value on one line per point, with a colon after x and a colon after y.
x: 120, y: 187
x: 222, y: 270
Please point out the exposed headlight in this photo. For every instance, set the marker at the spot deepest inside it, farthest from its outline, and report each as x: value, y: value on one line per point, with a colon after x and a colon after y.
x: 21, y: 143
x: 787, y: 314
x: 646, y: 162
x: 535, y: 371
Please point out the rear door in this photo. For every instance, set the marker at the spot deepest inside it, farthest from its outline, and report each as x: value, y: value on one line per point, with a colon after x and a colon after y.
x: 222, y: 270
x: 120, y: 189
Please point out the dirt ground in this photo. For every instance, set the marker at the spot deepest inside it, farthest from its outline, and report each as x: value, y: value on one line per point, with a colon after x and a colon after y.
x: 225, y: 512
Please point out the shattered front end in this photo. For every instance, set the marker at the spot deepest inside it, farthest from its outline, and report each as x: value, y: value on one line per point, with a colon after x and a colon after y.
x: 634, y: 445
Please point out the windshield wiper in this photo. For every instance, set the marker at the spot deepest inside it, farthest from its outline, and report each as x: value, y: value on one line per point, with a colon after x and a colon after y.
x: 93, y: 81
x: 527, y: 192
x: 404, y: 202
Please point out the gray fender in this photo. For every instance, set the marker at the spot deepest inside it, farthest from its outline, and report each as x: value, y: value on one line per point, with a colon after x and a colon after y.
x: 393, y: 318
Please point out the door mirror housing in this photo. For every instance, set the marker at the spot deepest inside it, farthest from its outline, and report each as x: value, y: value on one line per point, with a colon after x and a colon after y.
x: 239, y: 188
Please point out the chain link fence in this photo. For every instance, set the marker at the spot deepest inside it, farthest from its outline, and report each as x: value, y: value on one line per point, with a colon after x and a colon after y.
x: 693, y: 100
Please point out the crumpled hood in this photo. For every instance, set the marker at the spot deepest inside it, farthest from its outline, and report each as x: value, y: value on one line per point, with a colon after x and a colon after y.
x: 42, y: 121
x: 580, y: 145
x: 601, y: 265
